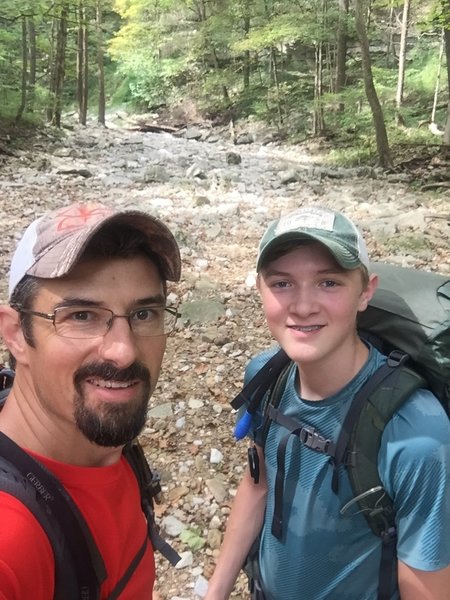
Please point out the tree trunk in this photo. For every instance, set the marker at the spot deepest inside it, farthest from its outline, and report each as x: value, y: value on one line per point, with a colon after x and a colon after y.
x: 434, y: 127
x: 23, y: 96
x: 82, y: 64
x: 60, y: 56
x: 341, y: 50
x: 446, y: 139
x: 384, y: 154
x: 318, y: 119
x: 32, y: 61
x: 390, y: 49
x: 100, y: 65
x: 246, y: 70
x: 401, y: 63
x: 52, y: 70
x: 277, y: 84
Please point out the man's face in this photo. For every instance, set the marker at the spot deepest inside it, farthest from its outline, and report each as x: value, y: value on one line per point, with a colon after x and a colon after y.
x: 101, y: 384
x: 311, y: 305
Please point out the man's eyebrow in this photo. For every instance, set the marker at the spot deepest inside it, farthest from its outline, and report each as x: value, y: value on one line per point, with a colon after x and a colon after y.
x: 156, y: 299
x: 150, y: 300
x: 67, y: 302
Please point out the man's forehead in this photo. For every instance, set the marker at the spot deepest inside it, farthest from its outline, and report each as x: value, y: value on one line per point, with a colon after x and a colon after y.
x: 97, y: 278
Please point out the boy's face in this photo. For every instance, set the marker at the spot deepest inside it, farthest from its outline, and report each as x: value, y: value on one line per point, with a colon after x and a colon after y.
x: 311, y: 305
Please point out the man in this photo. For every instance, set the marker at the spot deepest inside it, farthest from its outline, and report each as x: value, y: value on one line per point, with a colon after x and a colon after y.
x: 313, y: 278
x: 86, y: 326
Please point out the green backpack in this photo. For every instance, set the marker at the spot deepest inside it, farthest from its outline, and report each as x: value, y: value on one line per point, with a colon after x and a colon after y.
x: 409, y: 321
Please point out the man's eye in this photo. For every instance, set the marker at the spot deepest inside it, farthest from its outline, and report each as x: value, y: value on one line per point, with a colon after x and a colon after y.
x: 84, y: 316
x: 146, y: 314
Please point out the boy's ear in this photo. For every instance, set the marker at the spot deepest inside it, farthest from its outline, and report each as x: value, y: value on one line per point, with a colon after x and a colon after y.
x: 368, y: 292
x: 11, y: 332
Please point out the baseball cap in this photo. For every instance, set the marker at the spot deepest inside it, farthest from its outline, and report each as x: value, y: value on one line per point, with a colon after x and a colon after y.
x: 53, y: 244
x: 331, y: 228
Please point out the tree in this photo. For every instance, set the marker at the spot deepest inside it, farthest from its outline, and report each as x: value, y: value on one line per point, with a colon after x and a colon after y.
x: 100, y: 63
x: 446, y: 12
x: 384, y: 155
x: 82, y: 64
x: 401, y: 62
x: 341, y: 48
x: 58, y: 70
x: 23, y: 101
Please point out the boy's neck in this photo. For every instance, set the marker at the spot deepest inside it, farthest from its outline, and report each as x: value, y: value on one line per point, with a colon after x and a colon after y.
x: 317, y: 382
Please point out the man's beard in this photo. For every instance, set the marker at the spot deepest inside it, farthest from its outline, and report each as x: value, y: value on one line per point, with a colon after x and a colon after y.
x: 111, y: 424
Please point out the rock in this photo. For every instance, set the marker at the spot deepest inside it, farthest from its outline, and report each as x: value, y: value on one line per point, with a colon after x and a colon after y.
x: 214, y: 539
x: 172, y: 526
x: 217, y: 489
x: 161, y: 411
x: 233, y: 158
x: 186, y: 560
x: 201, y: 311
x: 215, y: 457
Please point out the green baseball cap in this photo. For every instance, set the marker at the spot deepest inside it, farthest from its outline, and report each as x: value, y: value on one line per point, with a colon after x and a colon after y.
x: 331, y: 228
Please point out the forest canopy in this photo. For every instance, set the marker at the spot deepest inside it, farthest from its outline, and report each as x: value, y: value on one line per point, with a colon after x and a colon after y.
x: 361, y: 69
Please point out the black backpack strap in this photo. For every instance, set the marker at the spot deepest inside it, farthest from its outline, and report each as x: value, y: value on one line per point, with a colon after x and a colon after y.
x: 77, y: 559
x: 358, y: 447
x: 253, y: 393
x: 149, y: 484
x: 121, y: 584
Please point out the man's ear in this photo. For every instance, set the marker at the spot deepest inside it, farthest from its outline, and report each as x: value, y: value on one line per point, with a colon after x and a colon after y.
x: 368, y: 292
x: 11, y: 332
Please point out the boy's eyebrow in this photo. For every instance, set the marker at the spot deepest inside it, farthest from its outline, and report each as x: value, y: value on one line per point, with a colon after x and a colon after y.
x: 278, y: 272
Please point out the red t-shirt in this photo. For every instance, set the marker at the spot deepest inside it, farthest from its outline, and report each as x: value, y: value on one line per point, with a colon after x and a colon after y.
x: 109, y: 500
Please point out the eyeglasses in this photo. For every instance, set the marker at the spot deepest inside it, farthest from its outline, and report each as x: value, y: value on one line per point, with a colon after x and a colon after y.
x: 82, y: 322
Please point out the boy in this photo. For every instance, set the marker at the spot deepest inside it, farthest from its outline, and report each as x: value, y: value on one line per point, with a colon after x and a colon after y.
x: 313, y: 278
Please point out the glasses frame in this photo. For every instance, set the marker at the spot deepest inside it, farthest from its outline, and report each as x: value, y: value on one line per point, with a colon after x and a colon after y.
x: 172, y: 310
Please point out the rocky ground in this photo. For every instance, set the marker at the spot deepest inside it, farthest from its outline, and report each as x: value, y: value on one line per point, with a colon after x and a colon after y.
x: 218, y: 197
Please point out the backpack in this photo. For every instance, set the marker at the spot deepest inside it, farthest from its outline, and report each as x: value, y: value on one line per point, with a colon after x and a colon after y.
x: 408, y: 320
x: 79, y: 567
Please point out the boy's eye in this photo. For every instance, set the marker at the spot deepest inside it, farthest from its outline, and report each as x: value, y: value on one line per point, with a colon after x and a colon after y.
x: 329, y: 283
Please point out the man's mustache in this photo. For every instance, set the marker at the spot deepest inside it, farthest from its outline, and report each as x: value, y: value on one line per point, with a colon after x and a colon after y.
x: 109, y: 372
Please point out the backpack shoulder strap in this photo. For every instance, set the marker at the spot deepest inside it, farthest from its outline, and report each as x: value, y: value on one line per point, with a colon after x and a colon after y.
x: 360, y: 437
x: 273, y: 399
x: 79, y: 567
x: 254, y: 391
x: 361, y: 433
x: 150, y: 487
x: 365, y: 440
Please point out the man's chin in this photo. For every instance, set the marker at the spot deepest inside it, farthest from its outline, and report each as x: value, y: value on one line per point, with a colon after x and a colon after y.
x: 110, y: 425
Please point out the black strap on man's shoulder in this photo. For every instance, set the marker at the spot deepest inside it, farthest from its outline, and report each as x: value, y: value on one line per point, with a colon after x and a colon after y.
x: 150, y: 487
x: 79, y: 567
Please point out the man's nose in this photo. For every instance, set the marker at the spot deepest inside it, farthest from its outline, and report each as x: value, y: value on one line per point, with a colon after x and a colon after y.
x: 119, y: 343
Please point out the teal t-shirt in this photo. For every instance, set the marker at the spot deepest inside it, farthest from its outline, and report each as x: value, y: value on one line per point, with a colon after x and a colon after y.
x: 324, y: 555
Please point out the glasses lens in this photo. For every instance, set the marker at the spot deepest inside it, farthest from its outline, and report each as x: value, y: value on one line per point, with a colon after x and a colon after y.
x: 151, y: 321
x: 81, y: 322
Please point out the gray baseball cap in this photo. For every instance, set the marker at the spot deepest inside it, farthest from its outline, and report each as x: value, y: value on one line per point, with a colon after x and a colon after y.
x: 331, y: 228
x: 53, y: 244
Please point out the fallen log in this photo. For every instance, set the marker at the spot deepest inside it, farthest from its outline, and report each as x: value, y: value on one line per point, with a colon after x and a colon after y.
x: 147, y: 128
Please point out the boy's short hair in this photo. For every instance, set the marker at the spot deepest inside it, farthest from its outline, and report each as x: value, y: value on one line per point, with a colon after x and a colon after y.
x: 331, y: 228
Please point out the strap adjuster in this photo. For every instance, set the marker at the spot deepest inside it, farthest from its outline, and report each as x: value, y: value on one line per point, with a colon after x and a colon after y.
x: 314, y: 441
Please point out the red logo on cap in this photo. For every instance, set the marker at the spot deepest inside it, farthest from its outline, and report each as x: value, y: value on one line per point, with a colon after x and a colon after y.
x: 76, y: 217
